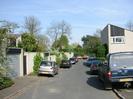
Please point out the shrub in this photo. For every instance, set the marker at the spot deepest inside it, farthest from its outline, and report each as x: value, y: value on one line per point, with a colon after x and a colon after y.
x: 58, y: 60
x: 37, y: 61
x: 5, y: 82
x: 64, y: 57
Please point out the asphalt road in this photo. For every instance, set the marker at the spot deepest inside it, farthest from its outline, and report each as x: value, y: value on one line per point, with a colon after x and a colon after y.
x: 73, y: 83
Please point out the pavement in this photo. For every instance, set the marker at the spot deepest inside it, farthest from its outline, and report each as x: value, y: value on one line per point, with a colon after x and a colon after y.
x: 126, y: 93
x: 73, y: 83
x: 20, y: 84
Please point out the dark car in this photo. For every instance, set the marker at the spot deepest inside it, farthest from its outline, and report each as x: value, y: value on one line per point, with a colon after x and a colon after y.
x: 65, y: 64
x: 72, y: 60
x: 85, y: 57
x: 94, y: 66
x: 117, y: 69
x: 89, y: 61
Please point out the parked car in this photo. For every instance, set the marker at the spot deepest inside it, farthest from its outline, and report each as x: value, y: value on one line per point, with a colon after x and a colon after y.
x: 94, y: 66
x: 48, y: 67
x: 65, y: 64
x: 117, y: 69
x: 79, y: 57
x: 85, y: 57
x: 89, y: 61
x: 72, y: 60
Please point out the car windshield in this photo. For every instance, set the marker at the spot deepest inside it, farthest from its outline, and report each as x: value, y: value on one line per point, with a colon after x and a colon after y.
x: 72, y: 59
x: 91, y: 59
x: 96, y: 62
x: 46, y: 63
x: 121, y: 60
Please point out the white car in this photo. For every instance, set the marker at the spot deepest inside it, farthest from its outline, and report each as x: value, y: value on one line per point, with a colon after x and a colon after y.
x: 48, y: 67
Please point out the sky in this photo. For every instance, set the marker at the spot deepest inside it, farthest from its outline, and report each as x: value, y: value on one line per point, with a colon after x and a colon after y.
x: 85, y: 16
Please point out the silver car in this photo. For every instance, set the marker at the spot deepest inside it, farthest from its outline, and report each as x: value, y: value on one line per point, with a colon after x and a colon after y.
x: 48, y: 67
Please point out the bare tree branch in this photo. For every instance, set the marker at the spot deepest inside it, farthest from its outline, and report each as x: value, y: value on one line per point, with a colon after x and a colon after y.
x: 58, y: 29
x: 32, y: 25
x: 129, y: 25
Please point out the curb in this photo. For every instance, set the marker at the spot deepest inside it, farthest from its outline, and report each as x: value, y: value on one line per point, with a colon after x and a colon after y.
x: 118, y: 94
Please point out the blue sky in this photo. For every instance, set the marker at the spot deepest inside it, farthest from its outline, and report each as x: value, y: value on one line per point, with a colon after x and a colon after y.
x: 85, y: 16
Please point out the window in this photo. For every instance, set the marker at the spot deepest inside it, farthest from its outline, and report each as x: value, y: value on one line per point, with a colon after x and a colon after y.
x: 117, y: 31
x: 118, y: 39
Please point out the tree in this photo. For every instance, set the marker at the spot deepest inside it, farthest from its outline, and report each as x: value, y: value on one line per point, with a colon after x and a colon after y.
x: 61, y: 43
x: 42, y: 43
x: 10, y: 26
x: 78, y: 50
x: 32, y: 25
x: 57, y: 29
x: 101, y: 51
x: 90, y: 44
x: 28, y: 43
x: 129, y: 25
x: 98, y: 33
x: 3, y: 45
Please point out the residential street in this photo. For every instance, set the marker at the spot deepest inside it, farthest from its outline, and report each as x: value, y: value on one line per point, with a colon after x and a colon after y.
x: 73, y: 83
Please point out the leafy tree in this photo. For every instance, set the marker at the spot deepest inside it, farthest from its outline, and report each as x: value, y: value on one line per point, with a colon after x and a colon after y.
x: 106, y: 49
x: 90, y: 44
x: 3, y: 45
x: 37, y: 61
x: 10, y: 26
x: 28, y: 42
x: 62, y: 43
x: 64, y: 57
x: 4, y: 81
x: 100, y: 51
x: 58, y: 60
x: 78, y: 50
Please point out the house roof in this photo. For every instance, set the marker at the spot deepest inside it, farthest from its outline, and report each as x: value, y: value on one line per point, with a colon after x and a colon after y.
x: 118, y: 27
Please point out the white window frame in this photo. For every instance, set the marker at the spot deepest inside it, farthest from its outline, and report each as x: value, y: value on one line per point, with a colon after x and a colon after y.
x: 118, y: 40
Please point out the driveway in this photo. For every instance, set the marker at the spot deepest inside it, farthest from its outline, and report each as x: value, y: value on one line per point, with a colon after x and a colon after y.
x: 73, y: 83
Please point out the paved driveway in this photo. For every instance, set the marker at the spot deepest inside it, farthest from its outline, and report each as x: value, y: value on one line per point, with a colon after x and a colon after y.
x: 73, y: 83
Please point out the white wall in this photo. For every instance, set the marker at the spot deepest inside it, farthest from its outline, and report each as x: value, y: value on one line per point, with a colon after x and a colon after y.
x: 30, y: 60
x: 52, y: 58
x: 21, y: 62
x: 127, y: 46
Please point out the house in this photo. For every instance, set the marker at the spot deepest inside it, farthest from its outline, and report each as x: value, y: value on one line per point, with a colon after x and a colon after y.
x: 117, y: 39
x: 13, y: 40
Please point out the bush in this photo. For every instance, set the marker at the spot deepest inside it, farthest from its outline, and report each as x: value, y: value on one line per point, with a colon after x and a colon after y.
x: 37, y: 61
x: 64, y: 57
x: 58, y: 60
x: 5, y: 82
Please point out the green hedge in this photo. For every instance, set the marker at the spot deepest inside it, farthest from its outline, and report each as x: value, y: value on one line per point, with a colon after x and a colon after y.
x: 5, y: 82
x: 37, y: 61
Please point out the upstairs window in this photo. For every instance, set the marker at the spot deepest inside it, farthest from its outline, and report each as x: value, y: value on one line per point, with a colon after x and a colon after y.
x: 118, y: 40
